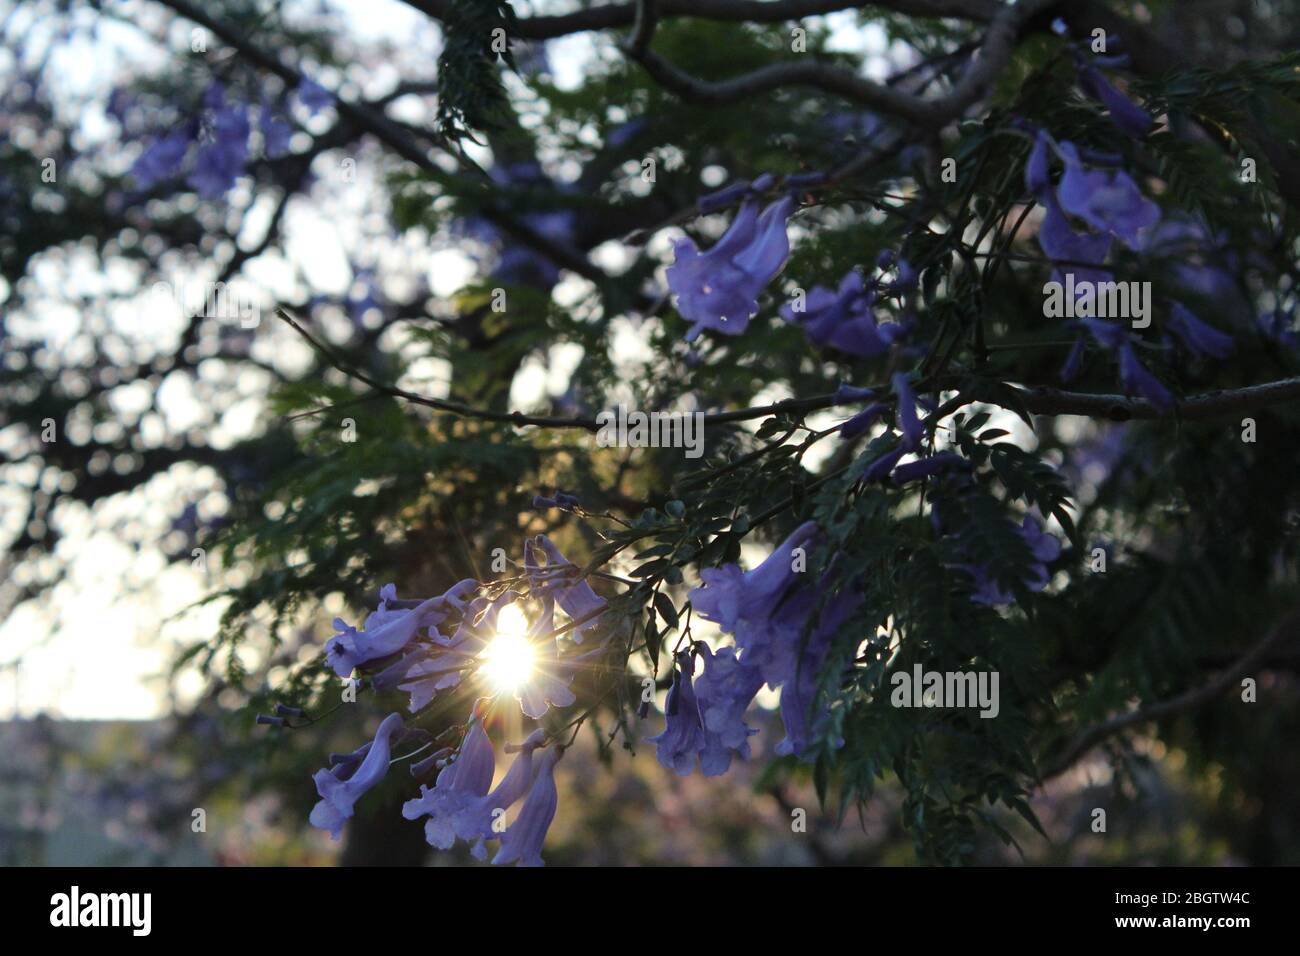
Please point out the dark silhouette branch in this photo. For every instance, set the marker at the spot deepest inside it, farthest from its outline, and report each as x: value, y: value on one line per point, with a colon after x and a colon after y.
x: 1191, y: 699
x: 616, y: 15
x: 995, y: 51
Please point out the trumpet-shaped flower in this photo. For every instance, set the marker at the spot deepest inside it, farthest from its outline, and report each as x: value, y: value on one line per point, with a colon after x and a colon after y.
x: 453, y: 803
x: 389, y: 630
x: 719, y: 289
x: 222, y: 157
x: 1199, y: 337
x: 844, y: 319
x: 729, y: 595
x: 343, y: 785
x: 558, y: 578
x: 1107, y: 200
x: 523, y: 839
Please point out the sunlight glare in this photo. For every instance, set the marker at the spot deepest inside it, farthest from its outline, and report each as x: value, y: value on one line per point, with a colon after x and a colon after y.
x: 508, y: 659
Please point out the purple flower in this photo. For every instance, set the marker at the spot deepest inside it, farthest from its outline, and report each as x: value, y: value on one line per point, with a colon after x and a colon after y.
x: 548, y: 684
x: 1042, y: 546
x: 313, y: 96
x: 705, y: 719
x: 724, y: 197
x: 923, y: 467
x: 388, y: 631
x: 276, y: 133
x: 844, y: 319
x: 1076, y: 252
x: 780, y: 634
x: 1038, y: 176
x: 1276, y: 326
x: 863, y: 420
x: 574, y: 595
x: 482, y: 820
x: 1108, y: 334
x: 729, y: 595
x: 719, y: 289
x: 523, y: 839
x: 1127, y: 116
x: 621, y: 135
x: 724, y: 692
x: 1197, y: 336
x: 682, y: 739
x: 1109, y: 201
x: 1133, y: 375
x: 908, y: 423
x: 221, y: 160
x: 796, y: 660
x: 1136, y: 380
x: 453, y: 803
x: 341, y: 787
x: 880, y: 468
x: 162, y: 159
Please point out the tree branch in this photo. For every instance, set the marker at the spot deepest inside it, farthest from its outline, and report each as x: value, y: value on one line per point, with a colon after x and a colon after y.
x: 1039, y: 401
x: 392, y: 134
x: 1188, y: 700
x: 615, y: 15
x: 998, y: 45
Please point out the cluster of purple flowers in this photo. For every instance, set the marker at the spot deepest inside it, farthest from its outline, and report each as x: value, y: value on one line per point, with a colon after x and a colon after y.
x: 1112, y: 208
x: 424, y: 648
x: 1044, y: 548
x: 1111, y: 204
x: 845, y: 319
x: 214, y: 148
x: 783, y: 632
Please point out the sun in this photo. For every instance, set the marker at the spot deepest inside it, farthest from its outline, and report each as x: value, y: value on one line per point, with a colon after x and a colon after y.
x: 508, y: 658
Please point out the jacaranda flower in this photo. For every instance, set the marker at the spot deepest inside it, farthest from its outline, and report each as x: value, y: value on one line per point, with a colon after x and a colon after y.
x: 908, y: 423
x: 221, y: 159
x: 523, y: 839
x: 341, y: 787
x: 452, y: 804
x: 1136, y: 380
x: 724, y: 692
x: 729, y: 595
x: 1197, y: 336
x: 1130, y: 118
x: 162, y: 159
x: 863, y: 420
x: 1080, y: 253
x: 558, y: 578
x: 719, y: 289
x: 784, y: 628
x: 797, y: 658
x: 388, y: 631
x: 682, y: 739
x: 844, y: 319
x: 1044, y: 548
x: 925, y: 467
x: 489, y: 813
x: 313, y: 96
x: 1133, y: 375
x: 1107, y: 200
x: 721, y: 700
